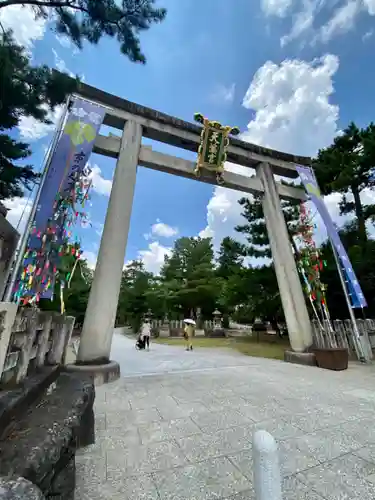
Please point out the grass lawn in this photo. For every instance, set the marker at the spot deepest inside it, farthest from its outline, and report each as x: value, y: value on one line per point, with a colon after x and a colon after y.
x: 250, y: 347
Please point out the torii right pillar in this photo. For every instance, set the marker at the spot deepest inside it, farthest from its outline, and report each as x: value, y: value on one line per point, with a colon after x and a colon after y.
x: 292, y: 298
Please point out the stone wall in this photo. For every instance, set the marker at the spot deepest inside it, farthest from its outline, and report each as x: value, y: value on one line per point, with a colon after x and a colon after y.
x: 31, y: 339
x: 19, y: 489
x: 45, y: 414
x: 41, y: 443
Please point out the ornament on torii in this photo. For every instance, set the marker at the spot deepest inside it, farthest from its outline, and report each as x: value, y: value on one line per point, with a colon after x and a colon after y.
x: 212, y: 151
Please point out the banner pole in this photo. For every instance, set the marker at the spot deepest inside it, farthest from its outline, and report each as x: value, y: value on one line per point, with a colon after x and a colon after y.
x: 25, y: 236
x: 356, y: 336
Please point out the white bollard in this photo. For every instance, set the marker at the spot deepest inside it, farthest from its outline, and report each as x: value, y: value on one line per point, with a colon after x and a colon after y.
x: 267, y: 477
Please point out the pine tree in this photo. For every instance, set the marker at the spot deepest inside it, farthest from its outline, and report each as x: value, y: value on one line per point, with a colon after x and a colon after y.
x: 263, y: 297
x: 24, y: 91
x: 33, y: 91
x: 255, y: 229
x: 230, y: 258
x: 347, y: 167
x: 133, y: 302
x: 189, y: 276
x: 92, y: 19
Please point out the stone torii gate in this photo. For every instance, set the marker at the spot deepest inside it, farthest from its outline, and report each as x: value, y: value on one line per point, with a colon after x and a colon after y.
x: 137, y: 121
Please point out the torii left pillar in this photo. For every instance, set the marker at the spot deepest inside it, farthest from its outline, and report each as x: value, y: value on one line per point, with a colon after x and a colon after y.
x: 96, y: 337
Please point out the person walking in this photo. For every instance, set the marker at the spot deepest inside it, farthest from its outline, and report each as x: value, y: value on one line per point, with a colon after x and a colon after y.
x: 146, y: 333
x: 188, y: 333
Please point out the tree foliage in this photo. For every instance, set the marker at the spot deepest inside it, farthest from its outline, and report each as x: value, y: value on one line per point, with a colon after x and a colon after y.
x: 243, y: 292
x: 133, y: 302
x: 189, y: 276
x: 255, y: 229
x: 230, y: 258
x: 346, y: 167
x: 92, y: 19
x: 28, y: 91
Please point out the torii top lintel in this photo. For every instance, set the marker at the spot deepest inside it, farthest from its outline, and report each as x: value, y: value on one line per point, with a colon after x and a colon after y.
x: 186, y: 135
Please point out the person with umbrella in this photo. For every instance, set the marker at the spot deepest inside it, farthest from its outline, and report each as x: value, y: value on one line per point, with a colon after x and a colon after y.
x: 188, y: 333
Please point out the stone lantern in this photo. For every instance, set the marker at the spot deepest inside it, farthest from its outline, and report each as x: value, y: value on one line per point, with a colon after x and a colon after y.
x: 217, y: 320
x: 164, y: 329
x: 199, y: 331
x: 199, y: 318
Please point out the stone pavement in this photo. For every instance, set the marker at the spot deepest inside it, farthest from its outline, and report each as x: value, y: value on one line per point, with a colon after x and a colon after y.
x: 179, y: 425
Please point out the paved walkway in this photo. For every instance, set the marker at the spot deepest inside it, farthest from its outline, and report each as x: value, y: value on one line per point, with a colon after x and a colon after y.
x: 178, y: 425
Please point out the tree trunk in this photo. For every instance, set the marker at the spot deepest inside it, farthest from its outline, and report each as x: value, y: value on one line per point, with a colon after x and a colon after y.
x: 359, y: 214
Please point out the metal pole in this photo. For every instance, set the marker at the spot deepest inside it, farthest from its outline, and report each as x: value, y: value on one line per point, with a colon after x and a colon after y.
x: 357, y: 339
x: 25, y: 237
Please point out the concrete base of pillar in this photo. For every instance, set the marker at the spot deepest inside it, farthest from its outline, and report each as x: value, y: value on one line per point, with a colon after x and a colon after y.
x: 300, y: 358
x: 102, y: 374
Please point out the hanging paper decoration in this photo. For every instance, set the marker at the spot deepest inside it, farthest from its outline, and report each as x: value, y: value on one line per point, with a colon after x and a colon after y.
x: 212, y: 152
x: 58, y: 214
x: 41, y: 267
x: 309, y: 262
x: 310, y: 266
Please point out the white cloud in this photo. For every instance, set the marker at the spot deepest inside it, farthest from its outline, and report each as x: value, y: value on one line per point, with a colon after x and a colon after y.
x: 343, y: 14
x: 153, y: 257
x: 223, y: 214
x: 61, y: 64
x: 91, y: 258
x: 99, y: 184
x: 224, y: 93
x: 99, y: 228
x: 369, y: 6
x: 19, y: 210
x: 32, y: 130
x: 367, y: 35
x: 293, y: 113
x: 163, y: 230
x: 21, y: 20
x: 276, y: 7
x: 160, y: 230
x: 341, y: 21
x: 65, y: 42
x: 302, y: 22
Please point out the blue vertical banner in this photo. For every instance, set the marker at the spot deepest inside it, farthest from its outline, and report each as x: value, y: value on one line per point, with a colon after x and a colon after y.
x: 63, y: 193
x: 311, y: 185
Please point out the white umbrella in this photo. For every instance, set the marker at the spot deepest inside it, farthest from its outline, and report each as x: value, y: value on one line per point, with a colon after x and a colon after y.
x: 189, y: 321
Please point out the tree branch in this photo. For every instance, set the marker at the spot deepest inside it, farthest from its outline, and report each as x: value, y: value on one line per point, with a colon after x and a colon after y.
x: 39, y: 3
x: 72, y: 5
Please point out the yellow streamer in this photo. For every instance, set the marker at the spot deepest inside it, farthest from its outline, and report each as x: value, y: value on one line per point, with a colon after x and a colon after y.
x: 71, y: 274
x: 62, y: 299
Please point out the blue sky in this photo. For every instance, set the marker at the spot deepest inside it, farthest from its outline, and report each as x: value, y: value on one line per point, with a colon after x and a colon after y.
x: 290, y: 74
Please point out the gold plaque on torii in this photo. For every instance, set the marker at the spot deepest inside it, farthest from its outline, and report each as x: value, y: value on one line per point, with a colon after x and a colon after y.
x: 212, y: 151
